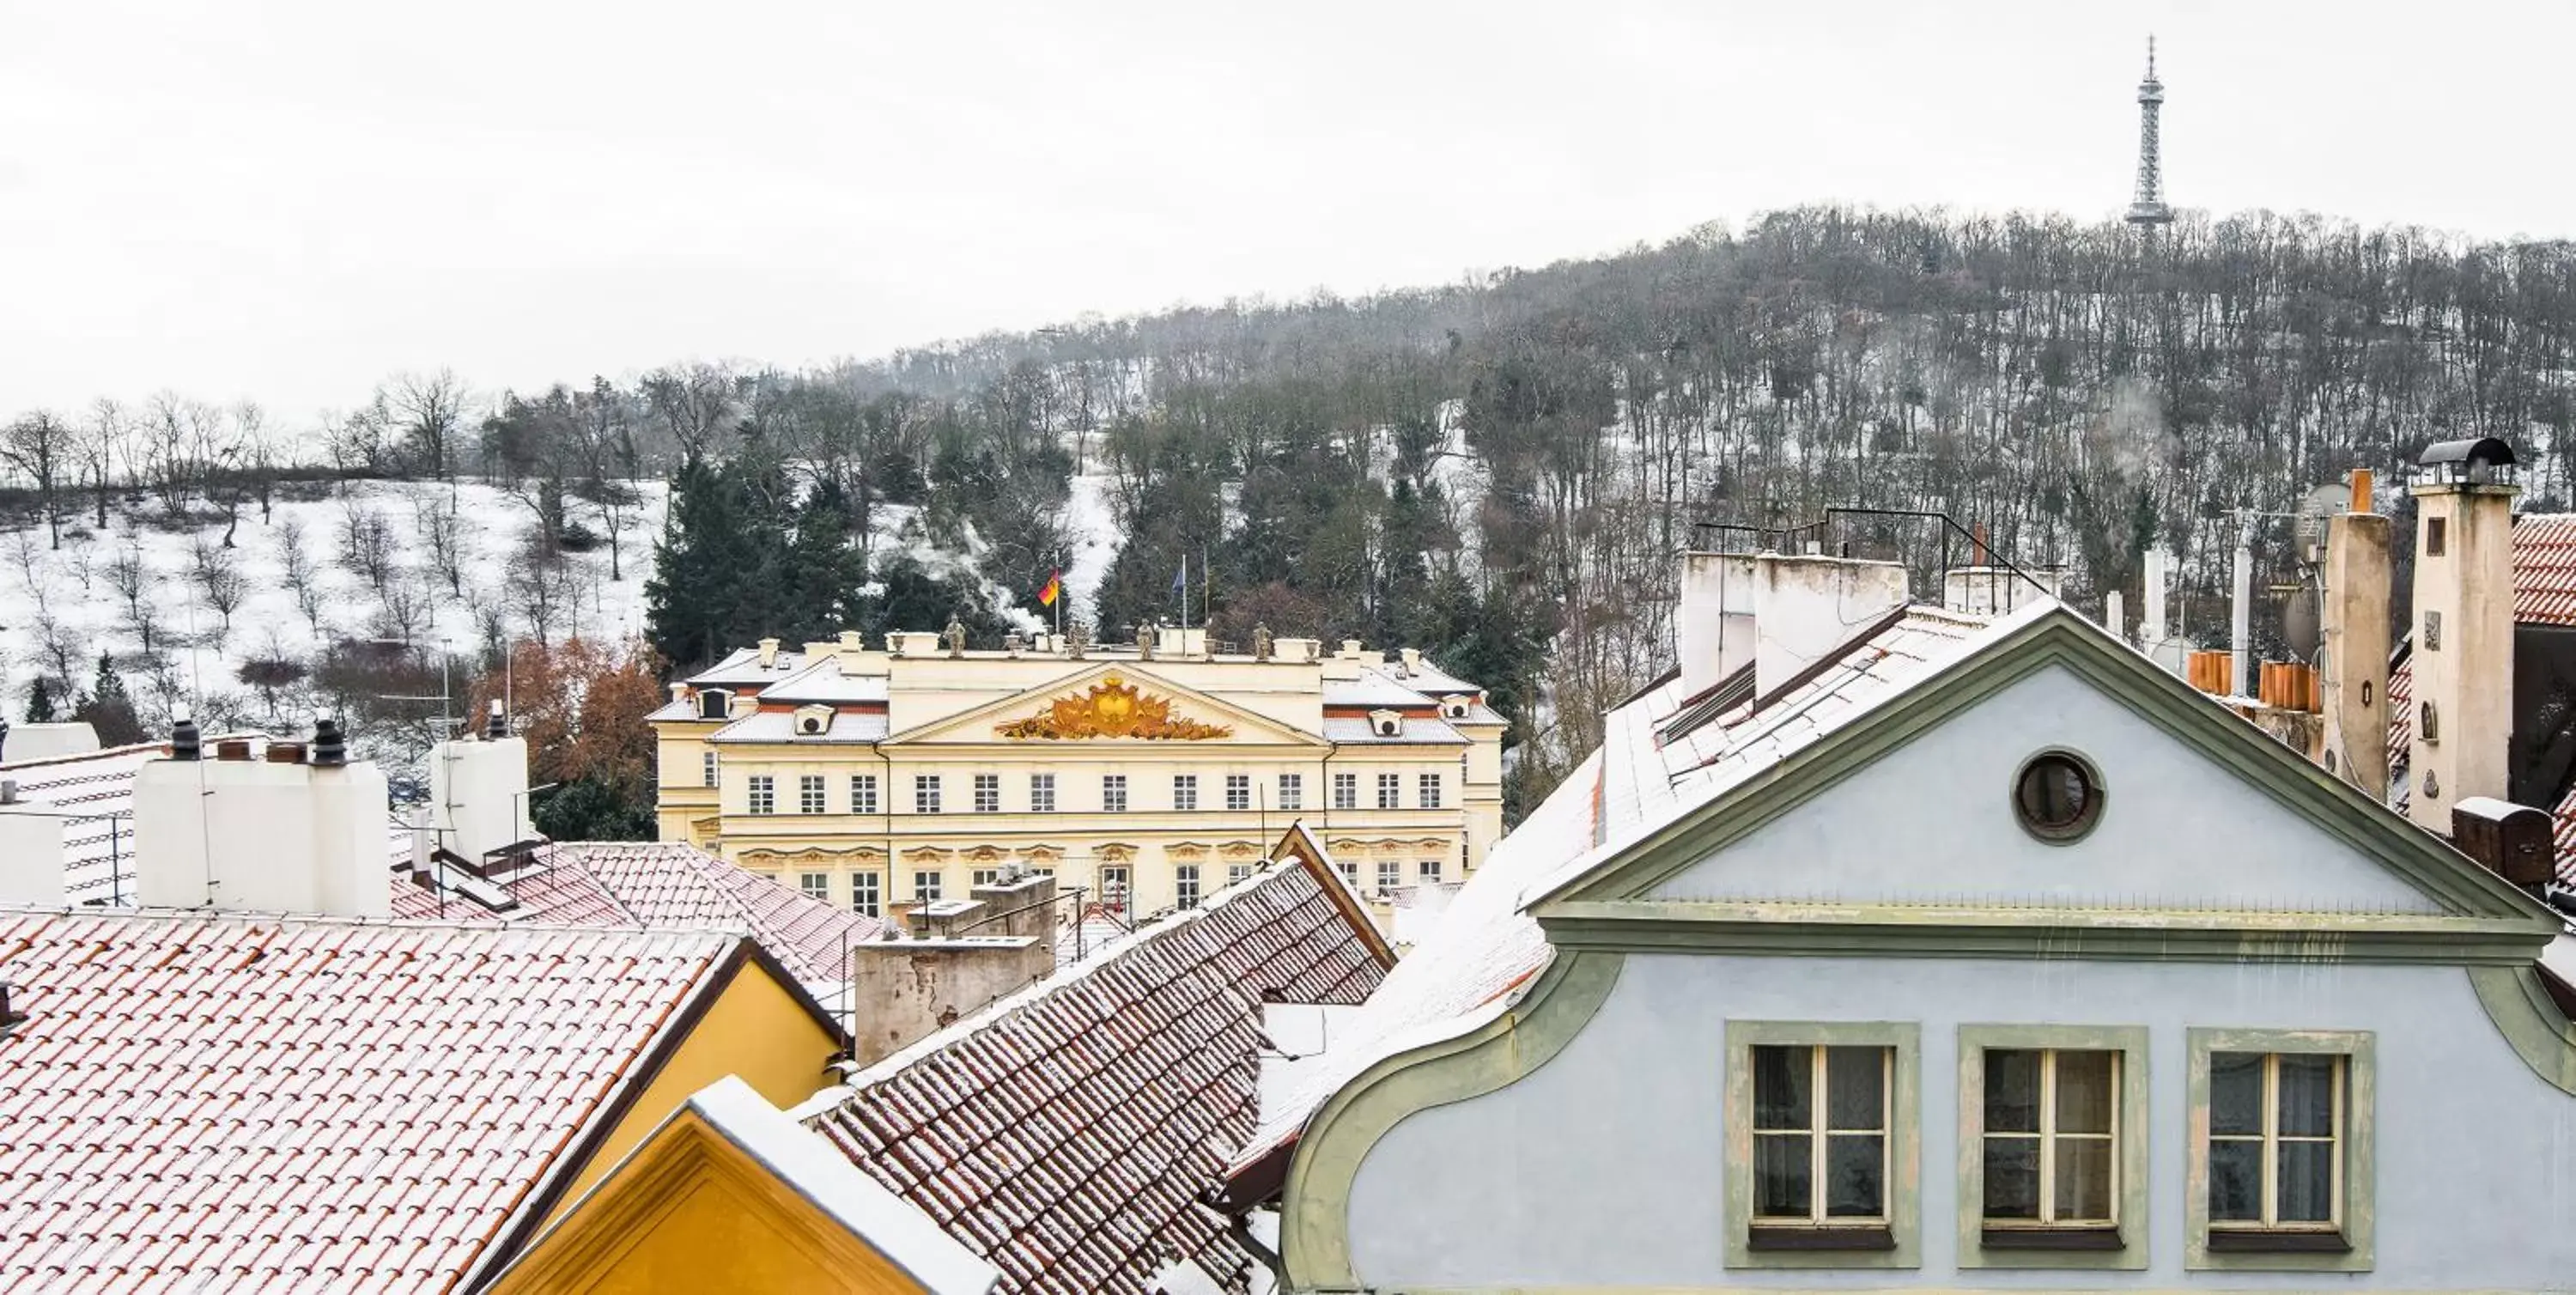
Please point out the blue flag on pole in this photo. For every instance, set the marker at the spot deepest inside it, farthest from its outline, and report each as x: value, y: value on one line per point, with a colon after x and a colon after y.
x: 1181, y: 578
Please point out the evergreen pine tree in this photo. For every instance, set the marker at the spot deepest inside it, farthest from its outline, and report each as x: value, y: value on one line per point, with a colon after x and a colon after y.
x: 40, y: 701
x: 689, y: 602
x: 108, y: 710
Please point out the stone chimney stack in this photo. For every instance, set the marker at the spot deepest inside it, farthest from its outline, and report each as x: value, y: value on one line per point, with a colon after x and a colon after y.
x: 1808, y: 607
x: 2354, y: 686
x: 960, y: 956
x: 2463, y: 652
x: 1713, y: 625
x: 478, y: 792
x: 31, y: 850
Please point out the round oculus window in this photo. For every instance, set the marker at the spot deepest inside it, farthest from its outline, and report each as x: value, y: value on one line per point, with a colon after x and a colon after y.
x: 2057, y: 796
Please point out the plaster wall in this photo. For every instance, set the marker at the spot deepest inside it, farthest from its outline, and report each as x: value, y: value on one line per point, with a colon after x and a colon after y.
x: 2467, y: 678
x: 1606, y: 1166
x: 478, y: 794
x: 250, y: 836
x: 1933, y: 822
x: 1804, y: 608
x: 1713, y: 623
x: 31, y: 855
x: 2353, y: 690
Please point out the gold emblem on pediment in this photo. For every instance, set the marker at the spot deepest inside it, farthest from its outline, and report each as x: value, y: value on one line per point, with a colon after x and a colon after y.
x: 1112, y: 708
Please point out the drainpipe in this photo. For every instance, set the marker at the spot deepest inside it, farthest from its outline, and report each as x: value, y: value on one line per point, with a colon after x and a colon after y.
x: 2241, y: 620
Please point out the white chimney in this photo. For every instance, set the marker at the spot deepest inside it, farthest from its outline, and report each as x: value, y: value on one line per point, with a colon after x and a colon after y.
x: 768, y: 653
x: 1806, y: 609
x: 478, y: 795
x: 2463, y: 651
x: 46, y: 741
x: 31, y: 850
x: 1713, y: 625
x: 1997, y: 591
x: 2115, y: 615
x: 2352, y: 682
x: 269, y: 835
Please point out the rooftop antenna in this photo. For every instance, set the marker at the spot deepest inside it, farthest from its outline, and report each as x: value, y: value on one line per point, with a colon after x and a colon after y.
x: 2148, y: 210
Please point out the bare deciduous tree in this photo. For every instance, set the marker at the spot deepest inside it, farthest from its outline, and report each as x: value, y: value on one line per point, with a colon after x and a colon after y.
x: 440, y: 534
x: 366, y: 544
x: 428, y: 412
x: 40, y: 445
x: 216, y: 571
x: 301, y: 579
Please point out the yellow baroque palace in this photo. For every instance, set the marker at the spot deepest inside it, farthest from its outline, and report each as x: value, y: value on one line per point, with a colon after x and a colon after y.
x: 1146, y: 773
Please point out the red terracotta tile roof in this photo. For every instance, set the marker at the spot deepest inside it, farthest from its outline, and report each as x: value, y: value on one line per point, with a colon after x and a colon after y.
x: 1067, y: 1133
x: 2544, y: 569
x: 223, y: 1103
x: 662, y: 886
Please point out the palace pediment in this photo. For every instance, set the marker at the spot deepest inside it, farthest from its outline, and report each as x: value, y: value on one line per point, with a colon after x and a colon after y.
x: 1111, y: 703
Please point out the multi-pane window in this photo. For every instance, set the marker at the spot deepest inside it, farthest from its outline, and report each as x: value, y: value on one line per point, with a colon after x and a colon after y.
x: 1185, y: 883
x: 1041, y: 793
x: 809, y: 793
x: 1430, y: 790
x: 1390, y: 790
x: 1113, y: 884
x: 925, y: 793
x: 1292, y: 791
x: 1236, y: 873
x: 711, y: 765
x: 1351, y: 872
x: 988, y: 793
x: 1238, y: 791
x: 1820, y: 1135
x: 1185, y: 791
x: 764, y: 793
x: 2051, y: 1137
x: 1429, y: 870
x: 865, y: 899
x: 1113, y: 793
x: 925, y: 887
x: 1346, y: 791
x: 1390, y: 874
x: 863, y: 793
x: 2276, y: 1132
x: 988, y: 877
x: 816, y: 885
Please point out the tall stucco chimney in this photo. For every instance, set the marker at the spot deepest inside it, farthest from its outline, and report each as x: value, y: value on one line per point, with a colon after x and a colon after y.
x: 2354, y: 686
x: 1713, y: 623
x: 768, y: 653
x: 2463, y: 653
x: 478, y: 793
x: 31, y: 850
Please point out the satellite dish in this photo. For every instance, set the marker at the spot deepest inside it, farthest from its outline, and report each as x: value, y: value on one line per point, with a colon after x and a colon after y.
x: 2301, y: 612
x: 2314, y: 509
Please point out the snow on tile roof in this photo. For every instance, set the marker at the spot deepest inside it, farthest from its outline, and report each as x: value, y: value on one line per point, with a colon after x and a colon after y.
x: 743, y: 669
x: 664, y: 886
x: 780, y: 726
x: 1415, y: 731
x: 2544, y: 569
x: 1424, y: 677
x: 1486, y: 949
x: 1373, y: 691
x: 823, y: 681
x: 262, y: 1103
x: 1067, y: 1132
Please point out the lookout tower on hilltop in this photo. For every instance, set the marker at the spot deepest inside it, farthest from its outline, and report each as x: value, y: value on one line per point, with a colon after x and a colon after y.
x: 2148, y: 209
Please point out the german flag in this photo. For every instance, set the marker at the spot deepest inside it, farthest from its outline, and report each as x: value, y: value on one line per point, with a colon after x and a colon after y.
x: 1054, y: 589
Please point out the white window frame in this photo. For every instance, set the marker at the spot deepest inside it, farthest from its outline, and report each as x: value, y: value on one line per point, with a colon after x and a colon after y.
x: 1238, y: 791
x: 1237, y: 873
x: 760, y: 794
x: 988, y: 793
x: 863, y: 793
x: 711, y: 766
x: 1041, y: 793
x: 811, y: 798
x: 925, y: 793
x: 985, y: 877
x: 1390, y: 875
x: 814, y: 885
x: 2209, y: 1245
x: 1115, y: 884
x: 1185, y: 792
x: 1185, y: 884
x: 867, y: 896
x: 1390, y: 791
x: 936, y: 880
x: 1292, y: 791
x: 1429, y: 791
x: 1346, y: 791
x: 1901, y: 1196
x: 1113, y: 793
x: 1429, y: 871
x: 2020, y: 1243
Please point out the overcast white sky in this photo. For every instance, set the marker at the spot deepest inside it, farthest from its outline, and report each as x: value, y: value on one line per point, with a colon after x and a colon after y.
x: 288, y: 201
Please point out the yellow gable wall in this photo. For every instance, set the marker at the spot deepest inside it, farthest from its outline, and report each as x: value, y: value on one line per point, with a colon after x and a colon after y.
x: 755, y: 1029
x: 691, y: 1212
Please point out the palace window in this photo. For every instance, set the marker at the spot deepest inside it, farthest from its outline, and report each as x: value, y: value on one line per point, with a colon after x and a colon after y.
x: 1041, y: 793
x: 988, y: 877
x: 1820, y: 1126
x: 816, y: 885
x: 1292, y: 791
x: 1390, y: 875
x: 809, y: 793
x: 925, y: 793
x: 865, y: 899
x: 2284, y: 1168
x: 1350, y: 872
x: 1113, y: 793
x: 863, y: 793
x: 1185, y: 883
x: 1237, y: 873
x: 711, y: 765
x: 925, y: 887
x: 1346, y: 791
x: 1238, y: 791
x: 1113, y: 885
x: 1185, y: 791
x: 2056, y: 1116
x: 1429, y: 871
x: 1390, y: 791
x: 1430, y: 788
x: 764, y: 794
x: 988, y: 793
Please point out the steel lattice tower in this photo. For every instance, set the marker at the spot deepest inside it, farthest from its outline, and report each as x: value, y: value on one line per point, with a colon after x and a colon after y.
x: 2149, y: 208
